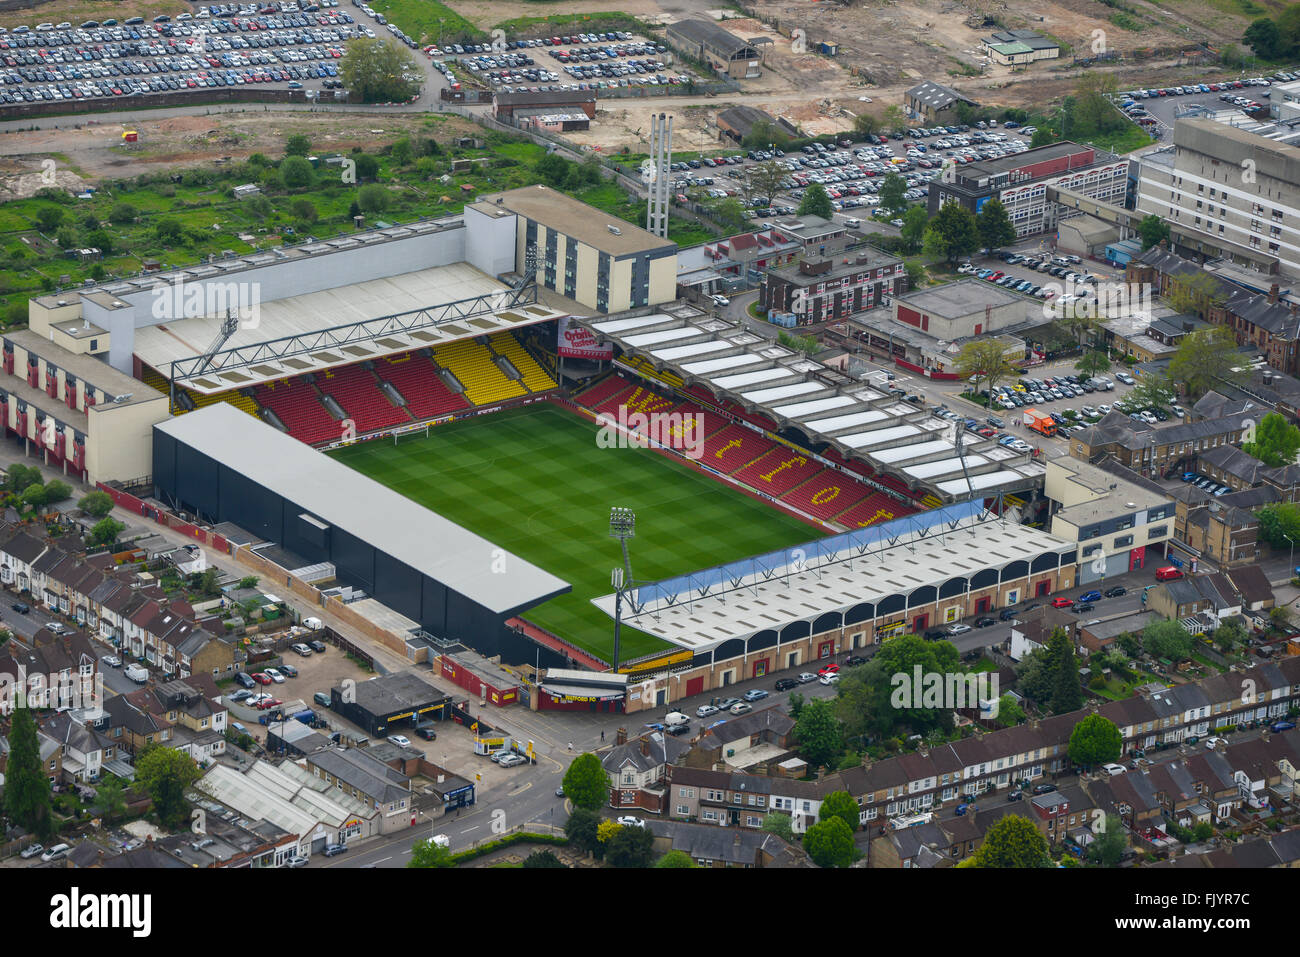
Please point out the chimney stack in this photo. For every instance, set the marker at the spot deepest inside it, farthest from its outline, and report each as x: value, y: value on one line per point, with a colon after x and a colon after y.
x: 645, y: 745
x: 620, y: 736
x: 1272, y: 293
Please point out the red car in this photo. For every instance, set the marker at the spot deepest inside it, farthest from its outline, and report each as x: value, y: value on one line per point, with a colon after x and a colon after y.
x: 828, y: 670
x: 260, y: 678
x: 1056, y: 603
x: 269, y: 703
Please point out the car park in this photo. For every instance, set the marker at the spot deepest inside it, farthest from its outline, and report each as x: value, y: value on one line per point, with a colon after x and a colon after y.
x: 274, y: 675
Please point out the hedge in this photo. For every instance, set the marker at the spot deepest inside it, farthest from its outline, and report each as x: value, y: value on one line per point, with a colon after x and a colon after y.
x: 522, y: 837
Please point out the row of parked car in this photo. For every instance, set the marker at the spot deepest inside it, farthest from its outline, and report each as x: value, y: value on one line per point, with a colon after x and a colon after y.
x: 1190, y: 88
x: 1205, y: 483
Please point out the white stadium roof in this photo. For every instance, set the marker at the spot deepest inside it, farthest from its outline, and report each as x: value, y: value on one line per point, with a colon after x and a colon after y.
x: 360, y: 506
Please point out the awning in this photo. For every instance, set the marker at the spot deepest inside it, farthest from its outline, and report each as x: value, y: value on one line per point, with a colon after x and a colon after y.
x: 581, y: 693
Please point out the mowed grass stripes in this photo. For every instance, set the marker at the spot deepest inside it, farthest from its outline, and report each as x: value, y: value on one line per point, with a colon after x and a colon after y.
x: 533, y: 481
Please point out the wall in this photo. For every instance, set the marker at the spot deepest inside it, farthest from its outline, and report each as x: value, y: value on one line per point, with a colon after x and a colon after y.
x: 119, y: 442
x: 490, y: 242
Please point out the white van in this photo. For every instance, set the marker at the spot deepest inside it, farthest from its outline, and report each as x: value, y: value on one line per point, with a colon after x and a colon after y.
x: 853, y: 223
x: 676, y: 718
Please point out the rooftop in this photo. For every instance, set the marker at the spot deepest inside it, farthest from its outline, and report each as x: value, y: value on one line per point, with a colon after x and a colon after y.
x: 575, y: 219
x: 952, y: 300
x: 360, y: 506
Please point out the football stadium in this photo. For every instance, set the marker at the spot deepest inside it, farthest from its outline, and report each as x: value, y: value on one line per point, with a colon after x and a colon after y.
x: 440, y: 417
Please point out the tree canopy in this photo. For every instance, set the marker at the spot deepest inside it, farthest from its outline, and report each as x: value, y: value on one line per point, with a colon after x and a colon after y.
x: 816, y: 202
x: 994, y: 225
x: 1153, y: 229
x: 379, y: 72
x: 821, y: 740
x: 1167, y: 639
x: 1013, y: 842
x: 585, y: 782
x: 1095, y: 740
x: 830, y: 843
x: 952, y: 233
x: 1277, y: 441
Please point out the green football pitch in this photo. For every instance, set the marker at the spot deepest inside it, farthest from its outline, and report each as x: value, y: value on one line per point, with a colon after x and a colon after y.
x: 533, y: 481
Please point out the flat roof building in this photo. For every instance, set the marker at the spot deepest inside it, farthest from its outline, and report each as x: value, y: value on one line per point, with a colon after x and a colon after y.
x: 715, y: 46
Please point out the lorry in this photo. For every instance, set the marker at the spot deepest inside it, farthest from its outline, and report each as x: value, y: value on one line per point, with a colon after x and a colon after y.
x: 137, y: 673
x: 1040, y: 422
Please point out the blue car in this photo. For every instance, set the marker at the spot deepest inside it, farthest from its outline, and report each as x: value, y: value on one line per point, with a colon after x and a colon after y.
x: 1090, y: 596
x: 1282, y: 726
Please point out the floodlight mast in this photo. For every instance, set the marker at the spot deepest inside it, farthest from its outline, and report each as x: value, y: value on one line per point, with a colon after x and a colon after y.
x: 622, y: 525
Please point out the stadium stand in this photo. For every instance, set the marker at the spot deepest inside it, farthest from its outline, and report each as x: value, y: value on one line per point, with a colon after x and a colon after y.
x: 414, y: 376
x: 535, y: 378
x: 473, y: 367
x: 779, y: 471
x: 733, y: 448
x: 878, y: 507
x: 596, y: 395
x: 296, y: 404
x: 637, y: 399
x: 826, y: 494
x: 155, y: 379
x: 355, y: 389
x: 645, y: 368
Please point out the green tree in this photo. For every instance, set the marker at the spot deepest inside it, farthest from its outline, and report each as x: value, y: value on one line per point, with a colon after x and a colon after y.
x: 27, y: 786
x: 1167, y: 639
x: 122, y: 213
x: 56, y: 491
x: 169, y: 231
x: 840, y: 804
x: 166, y: 774
x: 379, y: 72
x: 1043, y: 136
x: 915, y: 273
x: 34, y: 497
x: 110, y: 799
x: 367, y: 167
x: 1108, y: 848
x: 67, y: 237
x: 994, y: 225
x: 892, y: 190
x: 630, y: 847
x: 297, y: 145
x: 1010, y: 713
x: 304, y: 211
x: 952, y: 233
x: 427, y: 853
x: 985, y: 361
x: 1013, y: 842
x: 763, y: 134
x: 373, y: 198
x: 1067, y: 695
x: 816, y: 202
x: 296, y: 172
x: 401, y: 152
x: 105, y: 531
x: 1093, y: 362
x: 1276, y: 522
x: 249, y: 581
x: 49, y: 218
x: 19, y: 477
x: 894, y: 119
x: 1276, y: 443
x: 585, y: 783
x: 1266, y: 40
x: 830, y: 843
x: 913, y: 232
x: 1095, y: 740
x: 794, y: 704
x: 864, y: 124
x: 543, y: 859
x: 763, y: 180
x: 779, y: 824
x: 820, y: 739
x: 1204, y: 360
x: 1150, y: 392
x: 1153, y: 230
x: 730, y: 214
x: 1229, y: 635
x: 871, y: 701
x: 96, y: 504
x: 676, y: 859
x: 581, y: 830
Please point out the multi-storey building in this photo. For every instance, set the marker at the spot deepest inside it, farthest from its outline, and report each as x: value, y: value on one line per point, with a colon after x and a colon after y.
x: 1229, y: 193
x: 1022, y: 180
x: 822, y: 290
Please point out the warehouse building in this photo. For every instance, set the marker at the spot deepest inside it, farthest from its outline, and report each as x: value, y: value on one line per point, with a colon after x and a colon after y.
x: 1020, y: 47
x: 721, y: 50
x: 934, y: 102
x: 388, y: 703
x: 963, y: 309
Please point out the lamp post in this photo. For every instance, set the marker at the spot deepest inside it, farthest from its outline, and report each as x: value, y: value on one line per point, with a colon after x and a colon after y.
x: 1291, y: 568
x: 622, y: 525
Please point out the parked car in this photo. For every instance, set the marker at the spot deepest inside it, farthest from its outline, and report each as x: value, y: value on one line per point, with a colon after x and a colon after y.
x: 301, y: 649
x: 785, y: 684
x: 805, y: 677
x: 56, y: 853
x: 31, y: 850
x: 512, y: 760
x: 1280, y: 726
x: 244, y: 679
x: 401, y: 740
x: 241, y: 695
x: 289, y: 671
x: 829, y: 678
x: 333, y: 850
x: 1080, y: 607
x: 828, y: 670
x: 317, y: 646
x: 21, y: 607
x: 274, y: 675
x: 262, y: 678
x: 321, y: 698
x: 427, y: 733
x: 985, y: 622
x: 704, y: 710
x: 113, y: 661
x: 1090, y: 596
x: 1113, y: 769
x: 755, y: 694
x: 629, y: 821
x: 855, y: 660
x: 296, y: 861
x: 1116, y: 592
x: 1061, y: 602
x: 1044, y: 788
x: 958, y: 629
x: 741, y: 707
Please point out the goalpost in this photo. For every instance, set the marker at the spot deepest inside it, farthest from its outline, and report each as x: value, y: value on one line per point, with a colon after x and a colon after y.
x: 410, y: 431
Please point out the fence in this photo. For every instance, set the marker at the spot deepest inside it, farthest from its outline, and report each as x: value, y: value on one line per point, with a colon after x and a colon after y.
x: 241, y: 94
x: 142, y: 508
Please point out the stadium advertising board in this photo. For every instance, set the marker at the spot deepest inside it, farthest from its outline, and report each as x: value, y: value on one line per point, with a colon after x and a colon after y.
x: 579, y: 343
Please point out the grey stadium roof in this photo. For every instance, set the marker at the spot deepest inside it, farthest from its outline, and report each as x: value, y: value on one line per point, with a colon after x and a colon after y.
x: 376, y: 514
